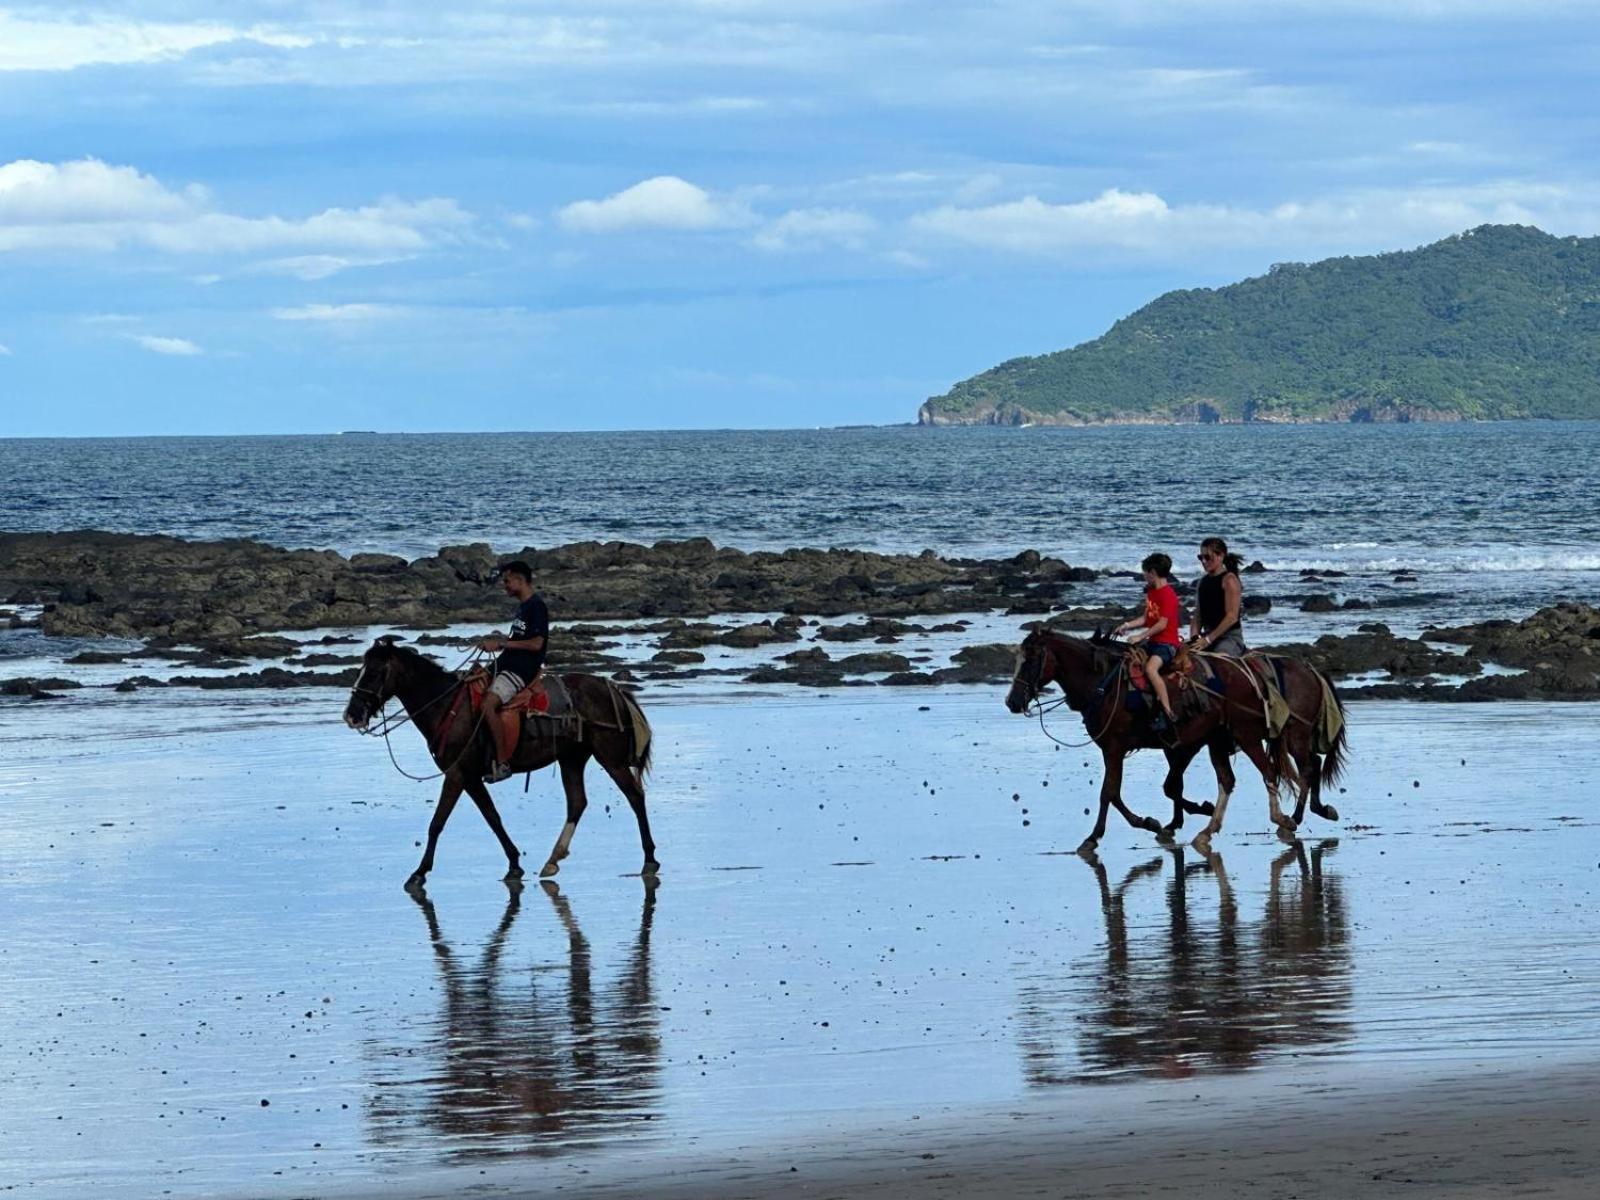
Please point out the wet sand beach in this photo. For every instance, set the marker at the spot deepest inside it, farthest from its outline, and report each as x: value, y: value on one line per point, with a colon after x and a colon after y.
x: 869, y: 926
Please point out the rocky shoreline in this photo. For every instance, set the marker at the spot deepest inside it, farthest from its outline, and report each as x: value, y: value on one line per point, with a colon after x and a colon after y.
x: 223, y: 606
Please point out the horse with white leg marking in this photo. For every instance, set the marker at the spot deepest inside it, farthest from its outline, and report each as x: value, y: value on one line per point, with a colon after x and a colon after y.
x: 1231, y: 717
x: 610, y: 728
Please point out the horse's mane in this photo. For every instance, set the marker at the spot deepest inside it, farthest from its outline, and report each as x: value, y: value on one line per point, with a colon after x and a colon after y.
x: 1103, y: 651
x: 416, y: 658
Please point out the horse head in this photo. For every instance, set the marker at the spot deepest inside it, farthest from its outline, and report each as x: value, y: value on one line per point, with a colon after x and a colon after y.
x: 376, y: 683
x: 1035, y: 671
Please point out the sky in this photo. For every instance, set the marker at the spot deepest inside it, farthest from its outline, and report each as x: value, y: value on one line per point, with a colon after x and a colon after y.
x: 307, y: 216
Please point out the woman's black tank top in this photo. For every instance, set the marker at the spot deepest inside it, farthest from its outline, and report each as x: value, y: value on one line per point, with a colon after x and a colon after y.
x: 1213, y: 602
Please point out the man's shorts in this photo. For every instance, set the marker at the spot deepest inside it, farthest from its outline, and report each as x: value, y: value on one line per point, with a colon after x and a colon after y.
x: 1231, y: 642
x: 1165, y: 651
x: 506, y: 685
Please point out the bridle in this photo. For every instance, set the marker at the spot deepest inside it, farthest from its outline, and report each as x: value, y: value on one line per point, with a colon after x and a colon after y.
x: 1041, y: 707
x: 387, y: 725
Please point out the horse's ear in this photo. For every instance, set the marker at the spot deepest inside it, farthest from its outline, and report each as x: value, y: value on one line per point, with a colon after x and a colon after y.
x: 388, y: 639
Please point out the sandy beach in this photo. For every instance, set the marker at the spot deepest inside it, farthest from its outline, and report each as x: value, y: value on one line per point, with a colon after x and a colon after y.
x: 1494, y: 1134
x: 856, y: 956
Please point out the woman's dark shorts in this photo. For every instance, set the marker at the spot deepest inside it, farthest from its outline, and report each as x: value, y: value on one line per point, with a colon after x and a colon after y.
x: 1165, y: 651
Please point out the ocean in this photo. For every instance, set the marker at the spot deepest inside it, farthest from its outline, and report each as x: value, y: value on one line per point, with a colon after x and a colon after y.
x: 1495, y: 519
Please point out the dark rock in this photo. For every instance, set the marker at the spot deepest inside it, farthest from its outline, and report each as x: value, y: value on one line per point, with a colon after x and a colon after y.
x: 870, y: 630
x: 268, y: 677
x: 807, y: 674
x: 1354, y: 603
x: 874, y: 663
x: 678, y: 657
x: 762, y: 634
x: 377, y: 562
x: 1256, y: 606
x: 95, y: 658
x: 35, y: 688
x: 1361, y: 653
x: 1318, y: 603
x: 1255, y: 568
x: 909, y: 679
x: 325, y: 660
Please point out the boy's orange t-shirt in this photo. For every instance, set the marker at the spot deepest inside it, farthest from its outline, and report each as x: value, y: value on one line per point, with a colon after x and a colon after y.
x: 1162, y: 602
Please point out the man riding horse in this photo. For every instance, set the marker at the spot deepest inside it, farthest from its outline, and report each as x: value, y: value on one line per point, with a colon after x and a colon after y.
x: 521, y: 658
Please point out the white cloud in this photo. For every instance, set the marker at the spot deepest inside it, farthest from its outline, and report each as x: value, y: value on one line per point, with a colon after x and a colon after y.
x: 662, y: 202
x: 89, y: 205
x: 5, y: 350
x: 341, y: 312
x: 312, y: 267
x: 1144, y: 223
x: 63, y: 43
x: 182, y: 347
x: 908, y: 260
x: 812, y: 228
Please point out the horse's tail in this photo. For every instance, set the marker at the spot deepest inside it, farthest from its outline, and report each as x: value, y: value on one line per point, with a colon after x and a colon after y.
x: 1333, y: 760
x: 643, y: 737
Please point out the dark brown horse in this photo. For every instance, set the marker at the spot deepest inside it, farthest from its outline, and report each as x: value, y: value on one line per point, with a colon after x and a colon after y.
x: 612, y: 730
x: 1214, y: 722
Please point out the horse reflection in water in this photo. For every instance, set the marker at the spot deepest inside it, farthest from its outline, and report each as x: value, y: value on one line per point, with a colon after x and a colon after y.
x: 1201, y: 995
x: 522, y: 1067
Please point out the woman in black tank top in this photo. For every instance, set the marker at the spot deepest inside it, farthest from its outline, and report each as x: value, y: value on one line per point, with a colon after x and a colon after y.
x: 1219, y: 601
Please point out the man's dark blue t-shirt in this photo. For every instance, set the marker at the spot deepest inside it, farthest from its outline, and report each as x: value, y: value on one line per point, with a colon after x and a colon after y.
x: 533, y: 620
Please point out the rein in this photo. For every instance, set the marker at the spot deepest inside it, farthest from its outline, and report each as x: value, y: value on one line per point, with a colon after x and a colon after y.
x: 387, y: 724
x: 1040, y: 708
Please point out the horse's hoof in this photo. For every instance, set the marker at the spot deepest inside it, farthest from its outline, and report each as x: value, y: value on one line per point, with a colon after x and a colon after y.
x: 1206, y: 809
x: 549, y: 869
x: 514, y: 875
x: 1088, y: 846
x: 1202, y: 842
x: 414, y: 884
x: 1285, y: 824
x: 1166, y: 834
x: 1151, y: 825
x: 1327, y: 812
x: 651, y: 867
x: 1288, y: 836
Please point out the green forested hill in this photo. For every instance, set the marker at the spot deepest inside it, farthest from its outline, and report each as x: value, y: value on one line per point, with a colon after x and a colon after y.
x: 1500, y: 321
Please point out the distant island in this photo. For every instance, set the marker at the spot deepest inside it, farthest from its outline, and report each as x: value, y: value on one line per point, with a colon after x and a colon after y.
x: 1502, y: 321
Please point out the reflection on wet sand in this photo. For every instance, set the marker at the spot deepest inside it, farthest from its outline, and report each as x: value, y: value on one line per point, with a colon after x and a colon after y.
x: 519, y: 1067
x: 1197, y: 993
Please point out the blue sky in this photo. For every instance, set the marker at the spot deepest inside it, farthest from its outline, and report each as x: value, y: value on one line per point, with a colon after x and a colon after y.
x: 312, y: 216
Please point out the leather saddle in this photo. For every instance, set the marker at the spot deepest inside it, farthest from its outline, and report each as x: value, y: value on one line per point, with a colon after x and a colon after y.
x: 546, y: 703
x: 1183, y: 671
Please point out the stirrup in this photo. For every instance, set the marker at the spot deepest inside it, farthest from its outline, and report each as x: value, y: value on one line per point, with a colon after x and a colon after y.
x: 498, y: 773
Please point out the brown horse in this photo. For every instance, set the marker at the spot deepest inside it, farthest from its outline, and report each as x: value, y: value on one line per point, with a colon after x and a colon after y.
x: 1092, y: 676
x: 612, y: 730
x: 1308, y: 692
x: 1298, y: 749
